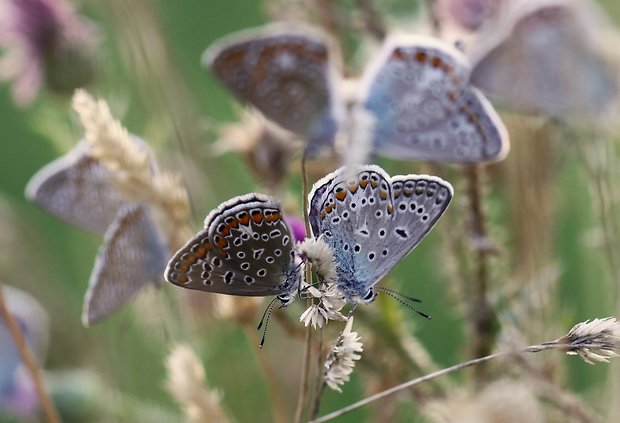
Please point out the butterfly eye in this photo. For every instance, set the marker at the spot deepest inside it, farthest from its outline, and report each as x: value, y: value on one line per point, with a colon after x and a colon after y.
x: 369, y: 296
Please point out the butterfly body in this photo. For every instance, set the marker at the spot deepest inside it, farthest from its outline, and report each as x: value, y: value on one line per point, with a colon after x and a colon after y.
x: 245, y: 249
x: 371, y: 221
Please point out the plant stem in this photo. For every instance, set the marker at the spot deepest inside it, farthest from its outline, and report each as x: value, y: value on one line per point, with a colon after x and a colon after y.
x: 305, y: 372
x: 320, y: 385
x: 433, y: 375
x: 481, y: 312
x: 47, y: 406
x: 373, y: 24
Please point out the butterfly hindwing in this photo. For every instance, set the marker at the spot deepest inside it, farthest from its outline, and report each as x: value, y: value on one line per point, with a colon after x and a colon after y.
x: 132, y: 257
x: 419, y: 201
x: 424, y: 108
x: 246, y: 248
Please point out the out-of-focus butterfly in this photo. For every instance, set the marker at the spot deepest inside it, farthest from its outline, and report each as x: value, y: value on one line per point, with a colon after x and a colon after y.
x: 77, y: 188
x: 371, y: 221
x: 417, y: 91
x: 245, y: 248
x: 545, y: 58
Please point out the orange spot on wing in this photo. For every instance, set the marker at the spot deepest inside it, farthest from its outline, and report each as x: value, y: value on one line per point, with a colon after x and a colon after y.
x: 202, y: 251
x: 225, y: 231
x: 341, y: 195
x: 222, y: 243
x: 353, y: 188
x: 182, y: 279
x: 390, y: 209
x: 436, y: 62
x: 363, y: 183
x: 244, y: 219
x: 257, y: 217
x: 383, y: 194
x: 420, y: 56
x: 399, y: 54
x: 234, y: 223
x: 374, y: 184
x: 274, y: 217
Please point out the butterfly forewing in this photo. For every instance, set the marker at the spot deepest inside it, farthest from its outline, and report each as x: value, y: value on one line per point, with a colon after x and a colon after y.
x: 246, y: 248
x: 132, y: 256
x: 418, y: 91
x: 285, y: 73
x: 77, y: 189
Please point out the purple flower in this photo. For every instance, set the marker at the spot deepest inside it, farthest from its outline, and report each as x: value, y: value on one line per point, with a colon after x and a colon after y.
x: 45, y: 43
x: 297, y: 225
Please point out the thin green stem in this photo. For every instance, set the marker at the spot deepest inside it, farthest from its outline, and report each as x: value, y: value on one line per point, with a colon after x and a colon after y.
x: 305, y: 372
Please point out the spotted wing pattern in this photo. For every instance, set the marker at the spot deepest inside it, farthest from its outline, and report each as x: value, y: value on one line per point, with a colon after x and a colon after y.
x: 418, y: 91
x: 360, y: 214
x: 132, y: 257
x: 245, y: 248
x: 76, y: 188
x: 285, y: 73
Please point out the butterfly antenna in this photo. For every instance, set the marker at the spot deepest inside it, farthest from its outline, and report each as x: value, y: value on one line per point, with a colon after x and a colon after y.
x: 266, y: 316
x: 262, y: 319
x: 401, y: 295
x: 398, y: 298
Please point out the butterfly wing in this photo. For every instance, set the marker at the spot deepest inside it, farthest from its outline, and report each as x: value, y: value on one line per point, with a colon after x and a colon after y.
x: 418, y: 91
x: 419, y: 201
x: 76, y: 188
x: 131, y: 257
x: 545, y: 61
x: 285, y: 73
x: 245, y: 249
x: 354, y: 218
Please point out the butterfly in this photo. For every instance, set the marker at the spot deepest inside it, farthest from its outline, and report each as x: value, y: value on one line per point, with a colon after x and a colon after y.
x: 77, y: 189
x: 371, y: 221
x: 417, y: 92
x: 545, y: 59
x: 285, y: 72
x: 245, y: 248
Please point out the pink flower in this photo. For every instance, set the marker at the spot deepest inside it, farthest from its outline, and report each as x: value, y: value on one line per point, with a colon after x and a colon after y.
x: 297, y: 225
x: 45, y: 43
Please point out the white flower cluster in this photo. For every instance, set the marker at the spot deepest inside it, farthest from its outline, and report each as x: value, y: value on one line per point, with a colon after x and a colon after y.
x: 596, y: 340
x: 341, y: 359
x: 317, y: 252
x: 330, y: 303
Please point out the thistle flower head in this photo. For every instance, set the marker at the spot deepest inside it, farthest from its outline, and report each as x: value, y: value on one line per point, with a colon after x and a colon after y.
x: 596, y: 340
x: 342, y: 357
x: 319, y: 254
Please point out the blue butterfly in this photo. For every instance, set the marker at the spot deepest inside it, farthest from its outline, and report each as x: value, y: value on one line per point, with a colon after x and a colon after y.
x: 371, y: 221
